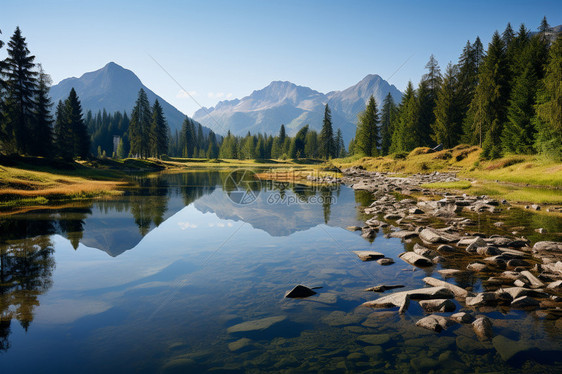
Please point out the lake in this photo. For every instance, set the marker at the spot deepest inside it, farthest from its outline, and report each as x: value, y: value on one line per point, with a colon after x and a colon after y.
x: 188, y: 272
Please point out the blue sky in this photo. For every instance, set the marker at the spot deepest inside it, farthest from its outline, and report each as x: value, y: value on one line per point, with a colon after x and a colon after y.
x: 227, y: 49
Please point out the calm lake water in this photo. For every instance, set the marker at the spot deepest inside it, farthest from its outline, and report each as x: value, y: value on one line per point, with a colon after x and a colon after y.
x: 152, y: 281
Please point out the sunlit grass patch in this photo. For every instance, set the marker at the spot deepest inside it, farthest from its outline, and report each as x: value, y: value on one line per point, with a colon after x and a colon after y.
x: 454, y: 185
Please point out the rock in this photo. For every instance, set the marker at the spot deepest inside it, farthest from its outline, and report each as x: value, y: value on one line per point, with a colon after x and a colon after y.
x: 239, y: 344
x: 509, y: 349
x: 423, y: 251
x: 482, y: 328
x: 467, y: 344
x: 555, y: 286
x: 437, y: 305
x: 540, y: 230
x: 524, y: 302
x: 483, y: 298
x: 516, y: 292
x: 368, y: 255
x: 535, y: 207
x: 393, y: 216
x: 300, y: 291
x: 374, y: 339
x: 499, y: 224
x: 535, y: 282
x: 369, y: 233
x: 439, y: 259
x: 385, y: 261
x: 431, y: 235
x: 488, y: 251
x: 256, y: 325
x: 547, y: 246
x: 433, y: 322
x: 516, y: 262
x: 402, y: 299
x: 450, y: 272
x: 462, y: 317
x: 353, y: 228
x: 415, y: 211
x: 384, y: 287
x: 456, y: 290
x: 403, y: 234
x: 476, y: 267
x: 415, y: 259
x: 476, y: 243
x: 446, y: 248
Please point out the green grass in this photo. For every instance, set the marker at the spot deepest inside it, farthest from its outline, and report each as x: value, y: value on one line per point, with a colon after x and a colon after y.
x: 454, y: 185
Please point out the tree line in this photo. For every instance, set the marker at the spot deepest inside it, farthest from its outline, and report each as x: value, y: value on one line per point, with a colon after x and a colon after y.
x: 506, y: 99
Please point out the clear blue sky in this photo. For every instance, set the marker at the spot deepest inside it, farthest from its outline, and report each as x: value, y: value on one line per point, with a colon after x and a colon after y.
x: 234, y: 47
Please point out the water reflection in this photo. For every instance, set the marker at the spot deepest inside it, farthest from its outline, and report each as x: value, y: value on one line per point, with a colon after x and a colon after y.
x: 26, y: 267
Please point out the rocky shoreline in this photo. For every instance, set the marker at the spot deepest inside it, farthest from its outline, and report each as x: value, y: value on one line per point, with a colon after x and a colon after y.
x: 514, y: 273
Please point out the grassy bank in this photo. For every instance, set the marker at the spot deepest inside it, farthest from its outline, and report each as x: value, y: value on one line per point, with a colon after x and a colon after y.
x: 517, y: 178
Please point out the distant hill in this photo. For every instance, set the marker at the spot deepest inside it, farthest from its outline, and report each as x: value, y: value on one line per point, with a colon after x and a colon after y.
x: 295, y: 106
x: 115, y: 89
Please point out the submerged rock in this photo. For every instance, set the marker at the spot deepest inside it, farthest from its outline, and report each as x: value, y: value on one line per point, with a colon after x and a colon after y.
x: 431, y: 235
x: 299, y: 291
x: 384, y: 287
x: 374, y: 339
x: 239, y: 344
x: 256, y: 325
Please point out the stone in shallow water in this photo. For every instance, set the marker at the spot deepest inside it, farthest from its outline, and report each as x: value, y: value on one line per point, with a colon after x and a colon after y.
x: 385, y: 261
x: 524, y: 302
x: 300, y: 291
x: 462, y: 317
x: 368, y: 255
x: 383, y: 287
x: 415, y: 259
x: 256, y: 325
x: 509, y: 349
x: 483, y: 328
x: 374, y: 339
x: 434, y: 322
x: 456, y: 290
x: 239, y: 344
x: 437, y: 305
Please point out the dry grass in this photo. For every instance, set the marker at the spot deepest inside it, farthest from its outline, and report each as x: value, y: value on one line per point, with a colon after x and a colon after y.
x: 19, y: 186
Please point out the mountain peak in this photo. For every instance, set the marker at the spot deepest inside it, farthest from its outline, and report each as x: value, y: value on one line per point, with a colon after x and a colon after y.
x: 113, y: 88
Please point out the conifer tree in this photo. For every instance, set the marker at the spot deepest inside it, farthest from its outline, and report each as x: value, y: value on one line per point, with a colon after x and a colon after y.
x: 213, y: 148
x: 326, y: 138
x: 80, y: 137
x: 340, y: 145
x: 367, y: 138
x: 139, y: 127
x: 64, y: 141
x: 548, y: 120
x: 489, y: 105
x: 21, y: 89
x: 311, y: 144
x: 297, y: 144
x: 42, y: 132
x: 158, y: 131
x: 388, y: 116
x: 447, y: 127
x: 404, y: 135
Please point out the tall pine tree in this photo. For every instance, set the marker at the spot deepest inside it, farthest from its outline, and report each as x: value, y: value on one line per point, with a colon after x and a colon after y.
x: 21, y: 89
x: 76, y: 125
x: 367, y: 137
x: 548, y: 121
x: 158, y: 131
x: 326, y: 139
x: 388, y: 116
x: 42, y: 125
x: 447, y: 127
x: 139, y: 127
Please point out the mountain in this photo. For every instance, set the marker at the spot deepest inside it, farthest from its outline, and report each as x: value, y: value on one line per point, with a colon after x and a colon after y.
x: 112, y: 88
x: 295, y: 106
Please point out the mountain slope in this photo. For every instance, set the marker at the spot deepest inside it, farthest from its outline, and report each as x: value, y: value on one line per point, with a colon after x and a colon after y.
x: 295, y: 106
x: 112, y: 88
